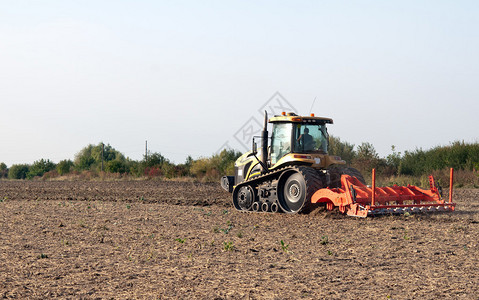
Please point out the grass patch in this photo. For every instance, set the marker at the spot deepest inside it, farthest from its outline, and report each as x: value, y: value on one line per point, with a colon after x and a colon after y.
x: 228, y: 246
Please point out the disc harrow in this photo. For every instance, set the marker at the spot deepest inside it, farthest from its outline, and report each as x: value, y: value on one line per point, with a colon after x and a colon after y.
x: 358, y: 200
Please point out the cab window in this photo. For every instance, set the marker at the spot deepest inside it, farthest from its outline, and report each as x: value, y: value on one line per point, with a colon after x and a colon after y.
x: 310, y: 138
x: 281, y: 141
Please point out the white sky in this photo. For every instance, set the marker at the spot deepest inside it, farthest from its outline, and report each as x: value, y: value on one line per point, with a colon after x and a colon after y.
x: 187, y: 75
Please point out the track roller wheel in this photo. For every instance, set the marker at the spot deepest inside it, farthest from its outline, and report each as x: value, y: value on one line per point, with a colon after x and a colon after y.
x: 256, y: 206
x: 274, y: 207
x: 295, y: 189
x: 266, y: 207
x: 244, y: 198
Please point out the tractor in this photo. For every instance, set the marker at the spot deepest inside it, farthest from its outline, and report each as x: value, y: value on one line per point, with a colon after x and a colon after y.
x: 292, y: 172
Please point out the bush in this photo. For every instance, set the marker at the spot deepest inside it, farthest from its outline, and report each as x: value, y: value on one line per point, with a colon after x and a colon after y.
x: 185, y: 169
x: 458, y: 155
x: 50, y: 174
x: 152, y: 166
x: 88, y: 175
x: 212, y: 168
x: 117, y: 166
x: 169, y: 170
x: 18, y: 171
x: 153, y: 172
x: 200, y: 167
x: 135, y: 168
x: 157, y: 165
x: 182, y: 170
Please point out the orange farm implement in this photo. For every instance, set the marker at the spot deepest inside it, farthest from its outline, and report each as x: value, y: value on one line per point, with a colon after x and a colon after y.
x: 358, y: 200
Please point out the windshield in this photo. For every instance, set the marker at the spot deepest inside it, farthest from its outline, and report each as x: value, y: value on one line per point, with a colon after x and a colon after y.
x: 310, y: 138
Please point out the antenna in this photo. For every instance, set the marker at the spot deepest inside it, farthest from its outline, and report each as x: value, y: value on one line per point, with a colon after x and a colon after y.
x: 312, y: 104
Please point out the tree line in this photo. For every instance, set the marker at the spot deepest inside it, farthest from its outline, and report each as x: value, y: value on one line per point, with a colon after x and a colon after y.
x: 418, y: 162
x: 94, y: 160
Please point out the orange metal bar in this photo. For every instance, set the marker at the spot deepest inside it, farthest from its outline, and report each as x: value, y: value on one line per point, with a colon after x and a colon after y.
x: 451, y: 180
x: 373, y: 196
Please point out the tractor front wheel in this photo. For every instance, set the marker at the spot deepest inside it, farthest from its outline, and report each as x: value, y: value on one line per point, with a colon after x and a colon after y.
x: 244, y: 198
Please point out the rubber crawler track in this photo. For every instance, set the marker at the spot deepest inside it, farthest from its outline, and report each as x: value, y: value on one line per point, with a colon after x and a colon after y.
x: 310, y: 175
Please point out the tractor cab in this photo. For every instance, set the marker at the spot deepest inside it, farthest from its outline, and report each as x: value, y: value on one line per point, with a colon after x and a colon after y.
x: 295, y: 135
x: 298, y: 138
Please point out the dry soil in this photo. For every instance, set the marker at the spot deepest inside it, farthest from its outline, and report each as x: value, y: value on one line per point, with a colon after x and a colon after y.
x: 183, y: 240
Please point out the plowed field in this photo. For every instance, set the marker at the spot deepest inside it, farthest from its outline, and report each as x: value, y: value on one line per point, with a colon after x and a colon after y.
x: 183, y: 240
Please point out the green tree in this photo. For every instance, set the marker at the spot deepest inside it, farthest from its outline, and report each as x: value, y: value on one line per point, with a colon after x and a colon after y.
x: 393, y: 161
x: 367, y: 159
x: 3, y: 170
x: 343, y: 149
x: 84, y: 159
x: 90, y: 157
x: 366, y: 151
x: 155, y: 160
x: 109, y: 153
x: 18, y: 171
x: 64, y: 166
x: 40, y: 167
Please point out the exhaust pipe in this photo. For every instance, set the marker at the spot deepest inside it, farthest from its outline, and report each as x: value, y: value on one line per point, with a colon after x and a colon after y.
x: 264, y: 143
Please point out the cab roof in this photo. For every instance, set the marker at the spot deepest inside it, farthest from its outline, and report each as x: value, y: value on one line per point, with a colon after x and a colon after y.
x: 294, y: 118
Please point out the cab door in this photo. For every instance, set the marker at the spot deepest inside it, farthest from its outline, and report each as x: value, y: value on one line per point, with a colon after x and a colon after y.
x: 280, y: 141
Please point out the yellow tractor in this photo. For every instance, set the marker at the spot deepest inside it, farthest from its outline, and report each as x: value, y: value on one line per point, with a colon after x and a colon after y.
x: 294, y: 172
